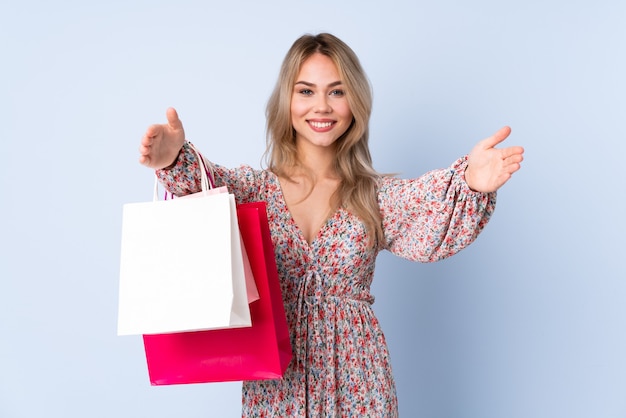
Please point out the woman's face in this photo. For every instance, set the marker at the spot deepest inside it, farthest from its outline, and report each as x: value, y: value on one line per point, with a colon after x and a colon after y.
x: 320, y: 112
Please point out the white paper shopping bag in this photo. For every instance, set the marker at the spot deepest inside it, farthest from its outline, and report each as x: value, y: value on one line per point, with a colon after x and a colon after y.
x: 251, y: 289
x: 181, y: 267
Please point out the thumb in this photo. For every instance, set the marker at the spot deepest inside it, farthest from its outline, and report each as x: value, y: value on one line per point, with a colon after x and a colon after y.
x: 496, y: 138
x: 172, y: 119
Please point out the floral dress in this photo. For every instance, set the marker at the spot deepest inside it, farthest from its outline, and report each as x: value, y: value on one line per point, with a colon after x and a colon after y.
x: 340, y: 365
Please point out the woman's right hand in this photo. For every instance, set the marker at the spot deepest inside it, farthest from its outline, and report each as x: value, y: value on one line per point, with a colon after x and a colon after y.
x: 161, y: 144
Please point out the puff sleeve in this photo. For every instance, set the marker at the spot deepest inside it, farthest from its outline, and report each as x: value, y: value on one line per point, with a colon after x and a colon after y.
x: 183, y: 177
x: 434, y: 216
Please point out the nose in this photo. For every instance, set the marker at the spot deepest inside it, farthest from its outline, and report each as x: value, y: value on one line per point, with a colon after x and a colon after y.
x: 322, y: 104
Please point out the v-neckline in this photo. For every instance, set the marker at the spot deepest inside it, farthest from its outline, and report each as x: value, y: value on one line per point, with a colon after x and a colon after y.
x: 322, y: 229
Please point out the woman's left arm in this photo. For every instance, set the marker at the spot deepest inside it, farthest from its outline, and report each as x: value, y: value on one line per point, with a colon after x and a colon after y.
x: 442, y: 212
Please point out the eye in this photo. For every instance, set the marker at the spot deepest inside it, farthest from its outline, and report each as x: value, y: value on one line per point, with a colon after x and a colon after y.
x: 305, y: 92
x: 337, y: 93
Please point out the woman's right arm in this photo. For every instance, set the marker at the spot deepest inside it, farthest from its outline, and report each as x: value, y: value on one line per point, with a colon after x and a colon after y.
x: 164, y: 148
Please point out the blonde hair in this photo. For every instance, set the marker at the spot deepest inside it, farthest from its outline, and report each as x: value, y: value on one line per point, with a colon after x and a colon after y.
x: 353, y: 164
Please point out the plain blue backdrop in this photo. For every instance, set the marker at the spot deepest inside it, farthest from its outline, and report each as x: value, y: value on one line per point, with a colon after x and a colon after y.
x: 528, y: 322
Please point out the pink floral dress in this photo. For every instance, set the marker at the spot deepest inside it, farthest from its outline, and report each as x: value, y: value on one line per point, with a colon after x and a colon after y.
x: 341, y: 364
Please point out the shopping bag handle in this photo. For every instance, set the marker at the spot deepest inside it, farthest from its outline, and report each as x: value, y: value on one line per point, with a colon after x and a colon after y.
x: 206, y: 176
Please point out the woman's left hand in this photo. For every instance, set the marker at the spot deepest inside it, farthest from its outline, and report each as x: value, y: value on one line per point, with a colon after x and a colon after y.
x: 489, y: 168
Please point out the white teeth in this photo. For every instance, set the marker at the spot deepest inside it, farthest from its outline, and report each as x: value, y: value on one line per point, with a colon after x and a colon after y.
x: 321, y: 125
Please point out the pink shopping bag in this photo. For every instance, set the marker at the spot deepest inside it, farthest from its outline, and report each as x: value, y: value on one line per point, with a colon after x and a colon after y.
x: 262, y: 351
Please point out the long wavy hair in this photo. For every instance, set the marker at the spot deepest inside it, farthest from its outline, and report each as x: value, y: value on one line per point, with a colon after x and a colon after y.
x: 353, y: 162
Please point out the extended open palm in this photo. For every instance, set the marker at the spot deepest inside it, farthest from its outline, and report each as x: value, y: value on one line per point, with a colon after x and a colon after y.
x: 488, y: 167
x: 161, y: 144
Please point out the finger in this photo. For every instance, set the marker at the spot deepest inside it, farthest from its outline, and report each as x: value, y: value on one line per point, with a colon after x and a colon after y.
x: 512, y: 168
x: 144, y: 159
x: 146, y: 140
x: 515, y: 159
x: 512, y: 163
x: 144, y: 150
x: 172, y: 119
x: 496, y: 138
x: 151, y: 133
x: 512, y: 151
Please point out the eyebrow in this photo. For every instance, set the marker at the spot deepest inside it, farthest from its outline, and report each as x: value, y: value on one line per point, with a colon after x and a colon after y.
x: 308, y: 84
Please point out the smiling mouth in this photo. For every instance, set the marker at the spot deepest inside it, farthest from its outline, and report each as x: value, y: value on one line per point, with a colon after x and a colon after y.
x: 321, y: 125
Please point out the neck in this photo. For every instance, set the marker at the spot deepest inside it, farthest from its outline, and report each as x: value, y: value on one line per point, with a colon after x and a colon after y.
x: 319, y: 161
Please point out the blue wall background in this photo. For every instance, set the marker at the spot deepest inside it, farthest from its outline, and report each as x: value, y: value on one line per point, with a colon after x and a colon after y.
x: 528, y: 322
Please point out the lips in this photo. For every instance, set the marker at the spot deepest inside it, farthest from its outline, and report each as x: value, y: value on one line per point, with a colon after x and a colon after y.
x: 321, y: 126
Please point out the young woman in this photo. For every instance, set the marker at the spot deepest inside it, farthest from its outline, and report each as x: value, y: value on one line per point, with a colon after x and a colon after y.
x: 330, y: 213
